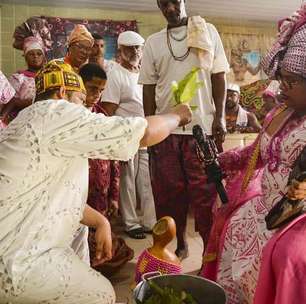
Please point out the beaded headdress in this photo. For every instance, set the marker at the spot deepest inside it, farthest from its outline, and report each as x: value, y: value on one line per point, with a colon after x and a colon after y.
x: 56, y: 74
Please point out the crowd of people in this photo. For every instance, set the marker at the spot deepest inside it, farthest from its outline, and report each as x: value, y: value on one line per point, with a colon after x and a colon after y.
x: 84, y: 138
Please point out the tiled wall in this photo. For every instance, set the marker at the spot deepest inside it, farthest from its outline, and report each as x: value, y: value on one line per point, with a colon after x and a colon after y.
x: 13, y: 15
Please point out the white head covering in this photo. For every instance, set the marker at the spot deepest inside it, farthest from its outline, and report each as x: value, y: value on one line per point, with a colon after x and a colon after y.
x: 130, y: 38
x: 32, y: 43
x: 233, y: 87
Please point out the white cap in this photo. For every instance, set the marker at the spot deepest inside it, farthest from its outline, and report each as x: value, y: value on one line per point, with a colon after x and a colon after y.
x: 233, y: 87
x: 130, y: 38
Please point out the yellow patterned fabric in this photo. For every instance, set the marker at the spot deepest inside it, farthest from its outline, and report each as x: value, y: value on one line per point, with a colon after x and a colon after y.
x: 56, y: 74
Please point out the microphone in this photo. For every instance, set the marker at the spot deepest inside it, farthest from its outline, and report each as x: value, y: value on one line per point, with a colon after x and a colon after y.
x: 212, y: 166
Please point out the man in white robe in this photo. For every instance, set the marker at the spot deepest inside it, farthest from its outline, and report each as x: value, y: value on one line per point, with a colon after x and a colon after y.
x: 43, y: 190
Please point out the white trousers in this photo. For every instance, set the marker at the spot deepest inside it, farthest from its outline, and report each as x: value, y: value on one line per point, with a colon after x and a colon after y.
x: 58, y: 277
x: 135, y: 183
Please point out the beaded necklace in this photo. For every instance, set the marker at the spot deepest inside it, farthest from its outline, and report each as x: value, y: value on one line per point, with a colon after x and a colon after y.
x: 177, y: 58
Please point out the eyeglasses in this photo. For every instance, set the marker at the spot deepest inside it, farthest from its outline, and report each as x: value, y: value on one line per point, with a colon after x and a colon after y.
x: 289, y: 81
x: 82, y: 47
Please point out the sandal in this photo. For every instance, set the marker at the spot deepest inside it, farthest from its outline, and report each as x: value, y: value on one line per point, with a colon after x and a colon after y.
x: 136, y: 233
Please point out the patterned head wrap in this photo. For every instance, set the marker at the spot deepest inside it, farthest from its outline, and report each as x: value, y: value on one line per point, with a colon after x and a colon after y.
x: 32, y: 43
x: 56, y: 74
x: 289, y: 49
x: 33, y: 27
x: 80, y: 33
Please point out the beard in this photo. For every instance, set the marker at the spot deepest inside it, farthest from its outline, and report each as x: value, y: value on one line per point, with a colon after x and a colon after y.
x: 133, y: 60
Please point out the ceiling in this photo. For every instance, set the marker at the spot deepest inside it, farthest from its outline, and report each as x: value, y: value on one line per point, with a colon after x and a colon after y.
x: 252, y: 10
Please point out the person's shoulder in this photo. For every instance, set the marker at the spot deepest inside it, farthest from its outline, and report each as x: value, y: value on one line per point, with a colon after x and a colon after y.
x: 212, y: 29
x: 156, y: 36
x: 116, y: 72
x: 251, y: 116
x: 57, y: 106
x: 109, y: 64
x: 16, y: 76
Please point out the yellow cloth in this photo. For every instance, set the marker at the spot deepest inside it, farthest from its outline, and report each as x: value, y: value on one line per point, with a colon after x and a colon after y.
x: 198, y: 37
x: 80, y: 33
x: 56, y: 74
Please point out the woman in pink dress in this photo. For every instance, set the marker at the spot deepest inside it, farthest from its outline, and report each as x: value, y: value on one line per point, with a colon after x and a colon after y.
x: 24, y: 81
x: 283, y: 270
x: 7, y: 92
x: 242, y: 232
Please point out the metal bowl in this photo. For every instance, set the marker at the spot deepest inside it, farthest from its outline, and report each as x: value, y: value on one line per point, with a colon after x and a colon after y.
x: 203, y: 291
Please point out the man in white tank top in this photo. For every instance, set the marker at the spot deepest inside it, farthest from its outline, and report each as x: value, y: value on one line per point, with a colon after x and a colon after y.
x: 237, y: 118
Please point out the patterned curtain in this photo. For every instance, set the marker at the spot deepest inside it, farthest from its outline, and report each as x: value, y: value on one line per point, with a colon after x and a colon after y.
x: 251, y: 98
x: 60, y: 28
x: 244, y: 47
x: 244, y: 52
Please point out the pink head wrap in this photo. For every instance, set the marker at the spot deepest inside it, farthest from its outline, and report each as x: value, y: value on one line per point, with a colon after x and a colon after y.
x: 80, y: 33
x: 289, y: 49
x: 32, y: 43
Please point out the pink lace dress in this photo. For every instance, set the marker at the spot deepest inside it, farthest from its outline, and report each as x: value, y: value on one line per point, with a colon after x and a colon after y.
x: 7, y: 92
x: 245, y: 233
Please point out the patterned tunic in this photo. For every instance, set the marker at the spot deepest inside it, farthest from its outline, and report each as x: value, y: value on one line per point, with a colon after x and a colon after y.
x: 7, y: 92
x: 43, y: 190
x: 246, y: 232
x: 24, y: 84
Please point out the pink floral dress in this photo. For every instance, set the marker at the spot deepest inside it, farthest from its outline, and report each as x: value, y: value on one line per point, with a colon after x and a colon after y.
x: 7, y: 92
x: 246, y: 233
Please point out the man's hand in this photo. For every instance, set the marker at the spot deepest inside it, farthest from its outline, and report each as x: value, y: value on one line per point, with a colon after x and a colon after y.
x: 113, y: 208
x: 297, y: 190
x: 218, y: 132
x: 103, y: 238
x: 184, y: 112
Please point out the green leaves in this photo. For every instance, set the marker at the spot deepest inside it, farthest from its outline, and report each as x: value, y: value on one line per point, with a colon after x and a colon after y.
x: 168, y: 295
x: 184, y: 91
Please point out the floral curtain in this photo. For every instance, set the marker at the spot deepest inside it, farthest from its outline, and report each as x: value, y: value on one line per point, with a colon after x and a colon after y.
x: 251, y: 98
x: 60, y: 28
